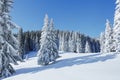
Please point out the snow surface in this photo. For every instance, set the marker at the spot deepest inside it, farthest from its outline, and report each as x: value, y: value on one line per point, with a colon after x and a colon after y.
x: 70, y: 66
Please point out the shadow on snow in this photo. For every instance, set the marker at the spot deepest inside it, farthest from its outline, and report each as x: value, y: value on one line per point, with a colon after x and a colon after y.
x: 68, y: 62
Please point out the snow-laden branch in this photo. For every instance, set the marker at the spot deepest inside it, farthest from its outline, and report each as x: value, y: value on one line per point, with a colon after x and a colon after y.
x: 13, y: 25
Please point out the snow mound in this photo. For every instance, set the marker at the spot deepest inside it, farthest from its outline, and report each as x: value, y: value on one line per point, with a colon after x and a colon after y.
x: 70, y: 66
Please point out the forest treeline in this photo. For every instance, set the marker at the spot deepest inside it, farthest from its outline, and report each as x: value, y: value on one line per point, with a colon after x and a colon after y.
x: 66, y: 41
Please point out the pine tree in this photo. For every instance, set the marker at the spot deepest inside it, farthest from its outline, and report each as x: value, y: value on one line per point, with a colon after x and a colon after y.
x: 60, y: 41
x: 79, y: 47
x: 52, y: 42
x: 37, y: 46
x: 62, y: 46
x: 83, y: 41
x: 96, y: 45
x: 117, y: 27
x: 26, y: 43
x: 79, y: 44
x: 102, y: 42
x: 8, y: 42
x: 87, y: 48
x: 66, y: 48
x: 48, y: 51
x: 43, y: 53
x: 72, y: 43
x: 108, y: 37
x: 20, y: 39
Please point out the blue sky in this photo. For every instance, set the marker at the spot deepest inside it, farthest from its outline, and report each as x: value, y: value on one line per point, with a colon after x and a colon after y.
x: 86, y: 16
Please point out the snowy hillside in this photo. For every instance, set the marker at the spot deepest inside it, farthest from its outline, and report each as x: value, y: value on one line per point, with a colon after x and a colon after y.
x: 71, y: 66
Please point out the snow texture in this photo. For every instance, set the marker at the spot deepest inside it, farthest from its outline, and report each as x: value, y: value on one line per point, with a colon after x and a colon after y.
x: 71, y: 66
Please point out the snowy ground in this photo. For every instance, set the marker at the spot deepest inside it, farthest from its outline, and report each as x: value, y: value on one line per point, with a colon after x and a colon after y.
x: 71, y: 66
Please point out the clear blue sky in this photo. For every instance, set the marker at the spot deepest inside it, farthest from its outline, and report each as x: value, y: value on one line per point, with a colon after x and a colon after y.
x: 86, y: 16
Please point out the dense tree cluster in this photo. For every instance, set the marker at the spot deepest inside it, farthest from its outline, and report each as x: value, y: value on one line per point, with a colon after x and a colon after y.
x: 31, y: 41
x: 110, y: 39
x: 66, y: 41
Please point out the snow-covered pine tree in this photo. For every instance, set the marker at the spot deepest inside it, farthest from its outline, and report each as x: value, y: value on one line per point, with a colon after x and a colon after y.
x: 60, y: 41
x: 117, y: 27
x: 43, y: 53
x: 37, y: 46
x: 52, y: 46
x: 83, y: 41
x: 72, y: 43
x: 108, y: 37
x: 87, y: 47
x: 8, y: 42
x: 113, y: 42
x: 26, y: 43
x: 48, y: 51
x: 102, y: 42
x: 64, y: 42
x: 62, y: 46
x: 96, y: 45
x: 31, y: 40
x: 57, y: 38
x: 79, y: 44
x: 20, y: 39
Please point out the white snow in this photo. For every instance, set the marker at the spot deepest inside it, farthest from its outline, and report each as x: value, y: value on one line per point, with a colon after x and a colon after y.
x: 70, y: 66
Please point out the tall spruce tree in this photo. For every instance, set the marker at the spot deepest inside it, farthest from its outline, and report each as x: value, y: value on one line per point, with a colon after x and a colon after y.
x: 117, y: 27
x: 48, y: 51
x: 52, y: 42
x: 8, y: 42
x: 108, y: 37
x: 43, y: 53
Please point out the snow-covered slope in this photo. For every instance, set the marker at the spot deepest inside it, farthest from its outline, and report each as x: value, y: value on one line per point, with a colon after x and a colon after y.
x: 71, y: 66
